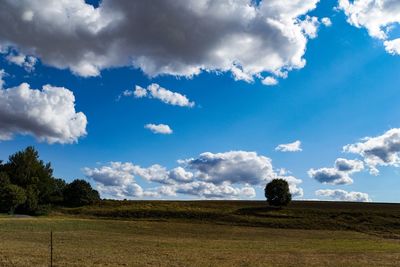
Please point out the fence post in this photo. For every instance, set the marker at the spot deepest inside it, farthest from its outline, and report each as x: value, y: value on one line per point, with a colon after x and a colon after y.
x: 51, y: 248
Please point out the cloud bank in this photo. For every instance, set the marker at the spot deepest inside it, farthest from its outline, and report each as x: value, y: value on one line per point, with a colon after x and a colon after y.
x: 343, y: 195
x: 228, y: 175
x: 48, y: 114
x: 247, y: 38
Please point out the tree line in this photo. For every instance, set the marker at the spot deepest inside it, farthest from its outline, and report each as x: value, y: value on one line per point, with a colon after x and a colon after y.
x: 27, y: 186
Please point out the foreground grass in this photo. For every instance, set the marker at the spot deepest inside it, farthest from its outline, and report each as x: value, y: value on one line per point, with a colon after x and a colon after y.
x: 206, y: 233
x: 96, y: 242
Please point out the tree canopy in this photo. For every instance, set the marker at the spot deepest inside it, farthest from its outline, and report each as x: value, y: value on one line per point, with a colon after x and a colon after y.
x: 277, y: 193
x: 79, y: 193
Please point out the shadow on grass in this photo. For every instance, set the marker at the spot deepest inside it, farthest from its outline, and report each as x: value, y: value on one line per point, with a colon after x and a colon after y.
x: 264, y: 212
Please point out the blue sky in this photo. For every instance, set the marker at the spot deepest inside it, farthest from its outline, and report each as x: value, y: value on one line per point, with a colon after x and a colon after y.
x: 347, y: 90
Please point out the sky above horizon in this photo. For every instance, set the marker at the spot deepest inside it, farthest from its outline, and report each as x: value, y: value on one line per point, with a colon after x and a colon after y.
x: 206, y: 99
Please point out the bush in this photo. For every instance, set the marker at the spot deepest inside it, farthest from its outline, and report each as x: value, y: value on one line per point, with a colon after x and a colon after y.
x: 42, y: 210
x: 80, y: 193
x: 277, y: 193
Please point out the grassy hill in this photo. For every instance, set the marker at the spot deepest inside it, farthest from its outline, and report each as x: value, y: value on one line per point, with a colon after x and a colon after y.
x: 382, y: 219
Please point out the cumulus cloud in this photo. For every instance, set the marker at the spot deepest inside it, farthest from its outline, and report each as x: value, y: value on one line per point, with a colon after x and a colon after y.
x: 157, y: 92
x: 240, y: 167
x: 117, y: 180
x: 232, y: 166
x: 179, y: 174
x: 245, y: 37
x: 229, y: 175
x: 290, y: 147
x: 382, y: 150
x: 330, y: 176
x: 159, y: 128
x: 132, y: 190
x: 48, y: 114
x: 379, y: 17
x: 338, y: 175
x: 326, y: 21
x: 27, y: 62
x: 393, y: 46
x: 342, y: 195
x: 269, y: 81
x: 119, y: 173
x: 310, y: 26
x: 348, y: 165
x: 210, y: 190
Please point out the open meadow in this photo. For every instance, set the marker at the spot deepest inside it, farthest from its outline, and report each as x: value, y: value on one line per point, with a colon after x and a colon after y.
x: 206, y: 233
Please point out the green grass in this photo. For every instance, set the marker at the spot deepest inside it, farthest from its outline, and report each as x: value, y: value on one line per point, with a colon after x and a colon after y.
x: 206, y: 233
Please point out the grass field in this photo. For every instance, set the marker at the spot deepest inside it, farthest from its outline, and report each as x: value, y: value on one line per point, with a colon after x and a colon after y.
x: 210, y: 233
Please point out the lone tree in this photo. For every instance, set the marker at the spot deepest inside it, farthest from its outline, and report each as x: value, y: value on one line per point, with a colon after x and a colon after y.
x: 277, y: 193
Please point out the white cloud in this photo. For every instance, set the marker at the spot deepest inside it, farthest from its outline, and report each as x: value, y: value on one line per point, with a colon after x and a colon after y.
x: 393, y: 46
x: 213, y: 191
x: 326, y: 21
x: 27, y: 62
x: 240, y: 75
x: 291, y: 147
x: 139, y: 92
x: 379, y: 17
x: 191, y: 36
x: 179, y: 174
x: 118, y: 173
x: 338, y: 175
x: 48, y: 114
x: 228, y: 175
x: 164, y: 95
x: 232, y: 166
x: 382, y: 150
x: 159, y: 128
x: 132, y: 190
x: 16, y: 59
x: 310, y: 26
x: 342, y: 195
x: 269, y: 81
